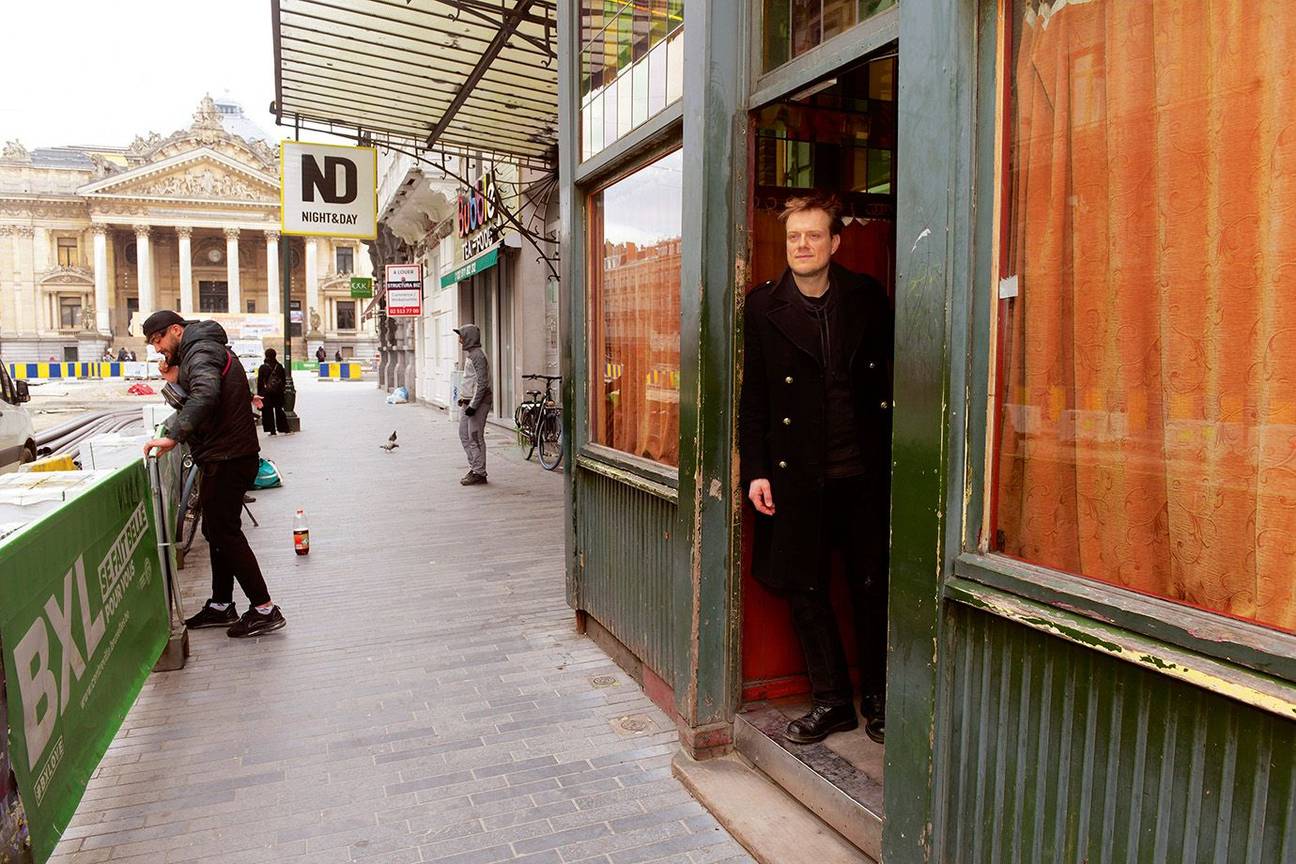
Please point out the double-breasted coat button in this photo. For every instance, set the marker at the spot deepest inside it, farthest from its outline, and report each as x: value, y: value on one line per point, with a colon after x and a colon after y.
x: 782, y: 464
x: 787, y: 421
x: 885, y: 405
x: 788, y: 379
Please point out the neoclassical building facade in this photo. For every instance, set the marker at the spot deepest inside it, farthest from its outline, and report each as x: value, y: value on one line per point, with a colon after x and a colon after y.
x: 94, y: 239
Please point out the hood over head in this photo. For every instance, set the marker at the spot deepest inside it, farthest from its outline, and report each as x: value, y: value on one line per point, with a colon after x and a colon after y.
x: 471, y: 336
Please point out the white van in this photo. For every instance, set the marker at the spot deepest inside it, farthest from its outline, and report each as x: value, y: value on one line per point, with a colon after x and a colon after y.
x: 17, y: 439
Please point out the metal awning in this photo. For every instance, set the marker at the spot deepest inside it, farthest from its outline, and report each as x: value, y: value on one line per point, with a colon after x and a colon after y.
x: 457, y: 76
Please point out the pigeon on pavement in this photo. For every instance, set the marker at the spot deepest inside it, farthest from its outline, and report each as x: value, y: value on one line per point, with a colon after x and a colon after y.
x: 391, y: 443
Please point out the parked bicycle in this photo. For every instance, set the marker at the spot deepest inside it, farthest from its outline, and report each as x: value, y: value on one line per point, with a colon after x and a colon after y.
x: 539, y: 423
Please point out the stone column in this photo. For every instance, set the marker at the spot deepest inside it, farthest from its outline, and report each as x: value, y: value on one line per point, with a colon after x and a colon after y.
x: 103, y: 322
x: 187, y: 305
x: 144, y: 269
x: 313, y: 310
x: 232, y: 270
x: 28, y: 299
x: 273, y: 288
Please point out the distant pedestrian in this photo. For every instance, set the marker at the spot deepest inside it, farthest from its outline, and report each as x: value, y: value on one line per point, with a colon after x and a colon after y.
x: 131, y: 357
x: 122, y: 356
x: 272, y: 383
x: 108, y: 354
x: 216, y: 422
x: 475, y: 400
x: 320, y: 354
x: 337, y: 356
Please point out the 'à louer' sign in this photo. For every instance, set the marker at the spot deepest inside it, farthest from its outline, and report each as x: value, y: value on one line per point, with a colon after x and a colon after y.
x: 83, y: 618
x: 328, y: 190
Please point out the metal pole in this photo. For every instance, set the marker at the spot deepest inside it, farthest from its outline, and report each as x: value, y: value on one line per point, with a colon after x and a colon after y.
x: 290, y: 391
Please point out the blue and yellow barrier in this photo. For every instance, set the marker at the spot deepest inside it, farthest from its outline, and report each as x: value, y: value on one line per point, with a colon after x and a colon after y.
x: 344, y: 371
x: 55, y: 371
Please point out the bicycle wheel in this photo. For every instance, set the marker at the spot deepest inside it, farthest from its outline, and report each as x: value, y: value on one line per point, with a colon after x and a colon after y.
x: 550, y: 435
x: 524, y: 417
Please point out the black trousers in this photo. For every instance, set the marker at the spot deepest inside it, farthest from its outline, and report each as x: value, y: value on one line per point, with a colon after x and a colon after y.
x: 273, y: 416
x: 221, y: 495
x: 855, y: 523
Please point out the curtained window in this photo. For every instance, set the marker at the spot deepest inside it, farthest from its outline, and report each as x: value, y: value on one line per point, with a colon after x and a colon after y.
x: 634, y: 311
x: 1146, y: 390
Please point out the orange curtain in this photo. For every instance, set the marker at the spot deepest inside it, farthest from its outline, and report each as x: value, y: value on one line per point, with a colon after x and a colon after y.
x: 1148, y: 431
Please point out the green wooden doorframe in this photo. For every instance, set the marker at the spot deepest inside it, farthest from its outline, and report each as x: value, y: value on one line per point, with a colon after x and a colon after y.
x: 934, y: 243
x: 713, y: 251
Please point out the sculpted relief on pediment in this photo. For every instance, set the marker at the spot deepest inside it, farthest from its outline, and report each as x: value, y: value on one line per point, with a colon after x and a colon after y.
x: 203, y: 183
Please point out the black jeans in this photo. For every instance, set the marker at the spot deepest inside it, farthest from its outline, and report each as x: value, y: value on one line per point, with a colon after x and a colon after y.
x: 273, y: 416
x: 221, y: 495
x: 855, y: 522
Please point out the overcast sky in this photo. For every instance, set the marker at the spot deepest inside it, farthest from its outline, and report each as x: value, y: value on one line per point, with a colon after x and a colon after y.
x: 90, y: 72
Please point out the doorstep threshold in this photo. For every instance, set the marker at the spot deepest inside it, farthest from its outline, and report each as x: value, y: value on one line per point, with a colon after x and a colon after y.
x: 837, y: 790
x: 769, y: 823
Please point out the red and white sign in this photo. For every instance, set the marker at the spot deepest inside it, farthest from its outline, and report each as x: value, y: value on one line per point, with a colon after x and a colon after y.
x: 404, y: 290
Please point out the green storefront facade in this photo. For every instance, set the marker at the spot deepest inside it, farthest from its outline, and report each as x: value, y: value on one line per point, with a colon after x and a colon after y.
x: 1033, y: 714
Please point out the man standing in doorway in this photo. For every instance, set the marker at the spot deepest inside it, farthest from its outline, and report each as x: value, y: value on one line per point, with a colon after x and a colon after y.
x: 216, y: 421
x: 815, y: 445
x: 475, y: 400
x: 320, y: 355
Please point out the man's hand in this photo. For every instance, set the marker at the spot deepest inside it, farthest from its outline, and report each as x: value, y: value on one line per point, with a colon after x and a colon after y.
x: 167, y: 371
x: 258, y: 403
x: 160, y: 445
x: 762, y: 497
x: 469, y: 411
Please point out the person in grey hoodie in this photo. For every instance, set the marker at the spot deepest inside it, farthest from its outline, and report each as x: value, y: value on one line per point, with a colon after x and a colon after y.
x: 475, y: 400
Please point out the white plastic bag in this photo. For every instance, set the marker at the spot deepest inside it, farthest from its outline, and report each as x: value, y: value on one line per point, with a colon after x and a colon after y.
x: 399, y: 396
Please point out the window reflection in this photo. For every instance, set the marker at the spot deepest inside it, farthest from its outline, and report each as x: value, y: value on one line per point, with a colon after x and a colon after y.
x: 793, y: 27
x: 634, y: 284
x: 631, y: 66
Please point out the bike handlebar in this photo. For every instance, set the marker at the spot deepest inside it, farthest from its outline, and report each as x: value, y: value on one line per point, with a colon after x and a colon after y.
x: 545, y: 377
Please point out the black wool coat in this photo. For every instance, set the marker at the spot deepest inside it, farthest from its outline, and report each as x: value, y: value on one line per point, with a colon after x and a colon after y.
x: 782, y: 428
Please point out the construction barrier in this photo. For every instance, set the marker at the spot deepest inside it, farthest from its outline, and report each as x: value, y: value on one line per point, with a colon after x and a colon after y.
x: 345, y: 371
x: 83, y: 618
x: 55, y: 371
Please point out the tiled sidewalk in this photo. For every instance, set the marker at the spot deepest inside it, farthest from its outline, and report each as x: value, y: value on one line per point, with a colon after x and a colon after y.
x: 428, y: 700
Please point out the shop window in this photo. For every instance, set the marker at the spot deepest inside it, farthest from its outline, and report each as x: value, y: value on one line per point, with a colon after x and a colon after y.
x: 69, y: 313
x: 346, y: 315
x: 634, y: 311
x: 632, y: 66
x: 67, y: 252
x: 213, y: 296
x: 792, y: 27
x: 1145, y: 414
x: 345, y: 259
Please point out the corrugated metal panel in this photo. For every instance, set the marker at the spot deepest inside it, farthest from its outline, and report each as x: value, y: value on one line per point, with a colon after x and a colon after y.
x: 624, y: 538
x: 1056, y: 753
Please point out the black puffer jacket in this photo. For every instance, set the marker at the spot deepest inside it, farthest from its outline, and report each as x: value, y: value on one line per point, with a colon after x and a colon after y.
x: 216, y: 419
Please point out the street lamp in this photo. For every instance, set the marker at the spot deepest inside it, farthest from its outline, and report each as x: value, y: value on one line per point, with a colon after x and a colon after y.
x: 290, y: 391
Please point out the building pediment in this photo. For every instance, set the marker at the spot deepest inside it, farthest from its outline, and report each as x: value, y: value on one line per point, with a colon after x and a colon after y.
x: 66, y: 276
x: 198, y: 175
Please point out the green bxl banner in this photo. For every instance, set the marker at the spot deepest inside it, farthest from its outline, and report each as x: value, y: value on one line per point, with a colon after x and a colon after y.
x: 83, y: 618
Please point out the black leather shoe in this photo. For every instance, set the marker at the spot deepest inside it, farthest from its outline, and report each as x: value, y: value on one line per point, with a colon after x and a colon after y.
x: 822, y: 721
x: 873, y: 709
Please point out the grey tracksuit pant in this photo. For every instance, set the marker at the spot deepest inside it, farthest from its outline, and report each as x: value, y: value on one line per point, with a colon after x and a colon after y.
x: 472, y: 436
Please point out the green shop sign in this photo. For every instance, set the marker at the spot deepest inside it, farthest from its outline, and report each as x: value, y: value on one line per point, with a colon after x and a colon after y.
x: 83, y: 618
x: 482, y: 262
x: 361, y: 286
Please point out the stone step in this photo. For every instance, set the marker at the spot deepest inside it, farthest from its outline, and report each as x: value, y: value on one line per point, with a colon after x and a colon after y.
x: 772, y: 825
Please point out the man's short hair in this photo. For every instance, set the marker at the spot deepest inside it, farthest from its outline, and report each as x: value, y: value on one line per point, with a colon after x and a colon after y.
x: 825, y: 201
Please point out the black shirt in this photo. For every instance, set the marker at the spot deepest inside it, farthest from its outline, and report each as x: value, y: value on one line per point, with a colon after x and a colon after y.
x: 842, y: 456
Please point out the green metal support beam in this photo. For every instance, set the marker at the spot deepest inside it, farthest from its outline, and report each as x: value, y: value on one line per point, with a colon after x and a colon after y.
x: 707, y: 565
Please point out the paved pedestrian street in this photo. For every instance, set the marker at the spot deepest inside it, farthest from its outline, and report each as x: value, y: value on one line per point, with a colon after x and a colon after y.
x: 429, y: 699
